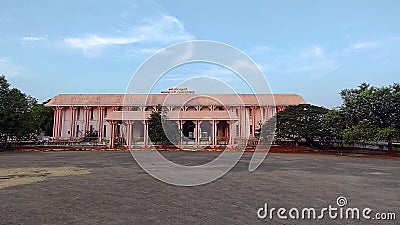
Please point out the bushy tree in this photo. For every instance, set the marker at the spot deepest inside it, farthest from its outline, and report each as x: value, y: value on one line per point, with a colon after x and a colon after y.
x: 368, y: 114
x: 16, y: 118
x: 21, y: 116
x: 161, y: 130
x: 43, y: 118
x: 299, y: 123
x: 266, y: 132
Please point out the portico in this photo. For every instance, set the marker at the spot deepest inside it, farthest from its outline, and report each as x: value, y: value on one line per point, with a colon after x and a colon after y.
x: 204, y: 128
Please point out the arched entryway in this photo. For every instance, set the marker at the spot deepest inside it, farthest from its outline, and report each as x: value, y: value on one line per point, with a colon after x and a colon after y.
x: 189, y: 133
x: 188, y: 130
x: 222, y: 133
x: 137, y: 133
x: 206, y: 133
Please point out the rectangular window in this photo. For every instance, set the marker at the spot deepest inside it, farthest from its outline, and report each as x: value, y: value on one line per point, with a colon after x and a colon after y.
x: 105, y: 131
x: 91, y: 128
x: 251, y: 129
x: 118, y: 130
x: 91, y: 113
x: 77, y: 131
x: 264, y: 113
x: 237, y: 130
x: 105, y: 112
x: 78, y: 113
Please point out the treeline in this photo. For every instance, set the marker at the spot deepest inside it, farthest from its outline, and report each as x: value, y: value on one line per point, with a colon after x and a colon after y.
x: 21, y: 116
x: 367, y: 114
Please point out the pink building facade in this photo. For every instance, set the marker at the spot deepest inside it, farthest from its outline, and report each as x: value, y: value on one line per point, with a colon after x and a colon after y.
x: 204, y: 120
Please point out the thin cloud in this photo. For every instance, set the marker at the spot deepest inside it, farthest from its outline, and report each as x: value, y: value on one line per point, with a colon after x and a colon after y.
x: 365, y: 45
x: 312, y: 63
x: 167, y: 29
x: 258, y: 50
x: 322, y: 66
x: 149, y: 51
x: 314, y: 51
x: 32, y: 39
x: 93, y: 41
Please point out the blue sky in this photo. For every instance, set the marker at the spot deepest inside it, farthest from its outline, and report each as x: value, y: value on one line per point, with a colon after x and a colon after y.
x: 312, y: 48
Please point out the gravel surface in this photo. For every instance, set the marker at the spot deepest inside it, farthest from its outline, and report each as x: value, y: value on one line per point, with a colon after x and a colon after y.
x: 111, y: 188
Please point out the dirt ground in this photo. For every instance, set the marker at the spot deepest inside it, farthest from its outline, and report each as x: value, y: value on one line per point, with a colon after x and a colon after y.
x: 100, y: 187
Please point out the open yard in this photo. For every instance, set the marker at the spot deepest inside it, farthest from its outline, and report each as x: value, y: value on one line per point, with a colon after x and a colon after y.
x: 111, y: 188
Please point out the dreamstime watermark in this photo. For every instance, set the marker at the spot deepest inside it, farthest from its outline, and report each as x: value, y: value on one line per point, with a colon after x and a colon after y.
x: 338, y: 211
x: 152, y: 71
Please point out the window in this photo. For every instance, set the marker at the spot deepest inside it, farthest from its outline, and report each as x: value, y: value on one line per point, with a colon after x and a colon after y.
x: 251, y: 129
x: 105, y: 112
x: 118, y: 130
x: 77, y: 131
x: 250, y: 112
x: 78, y: 113
x: 105, y: 130
x: 264, y: 113
x: 91, y: 128
x: 91, y: 113
x: 237, y: 130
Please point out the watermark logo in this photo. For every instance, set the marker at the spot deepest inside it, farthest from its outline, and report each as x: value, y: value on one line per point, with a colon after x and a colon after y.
x: 341, y: 201
x: 147, y: 76
x: 331, y: 212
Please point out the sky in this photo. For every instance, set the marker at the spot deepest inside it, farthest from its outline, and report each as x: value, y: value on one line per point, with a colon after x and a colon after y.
x: 310, y: 48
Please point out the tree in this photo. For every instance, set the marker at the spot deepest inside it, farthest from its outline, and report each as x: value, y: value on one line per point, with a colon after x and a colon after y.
x: 266, y: 132
x: 16, y: 119
x: 370, y: 114
x: 43, y: 117
x: 4, y: 89
x: 161, y: 130
x: 361, y: 133
x: 301, y: 123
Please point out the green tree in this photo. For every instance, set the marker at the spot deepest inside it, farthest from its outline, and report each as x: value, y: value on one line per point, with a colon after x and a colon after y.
x: 300, y: 123
x: 43, y: 117
x: 16, y: 119
x: 370, y: 114
x: 161, y: 130
x: 361, y: 133
x: 266, y: 132
x: 4, y: 90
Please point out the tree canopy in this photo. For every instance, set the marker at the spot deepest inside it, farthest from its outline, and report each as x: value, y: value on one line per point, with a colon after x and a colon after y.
x: 301, y: 123
x: 161, y: 130
x: 21, y: 117
x: 369, y: 114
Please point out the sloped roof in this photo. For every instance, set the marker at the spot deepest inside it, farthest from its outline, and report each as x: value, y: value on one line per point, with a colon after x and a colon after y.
x: 174, y: 99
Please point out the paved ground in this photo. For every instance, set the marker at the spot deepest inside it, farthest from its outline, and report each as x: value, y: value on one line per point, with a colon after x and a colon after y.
x: 113, y: 189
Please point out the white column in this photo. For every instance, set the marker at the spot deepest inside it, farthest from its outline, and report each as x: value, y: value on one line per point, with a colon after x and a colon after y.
x: 196, y: 130
x: 57, y: 127
x: 113, y: 134
x: 145, y: 134
x: 73, y: 122
x: 101, y: 122
x: 87, y: 118
x: 55, y: 122
x: 129, y: 134
x: 230, y: 133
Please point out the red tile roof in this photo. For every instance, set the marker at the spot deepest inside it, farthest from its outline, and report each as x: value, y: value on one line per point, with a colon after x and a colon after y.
x: 174, y: 99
